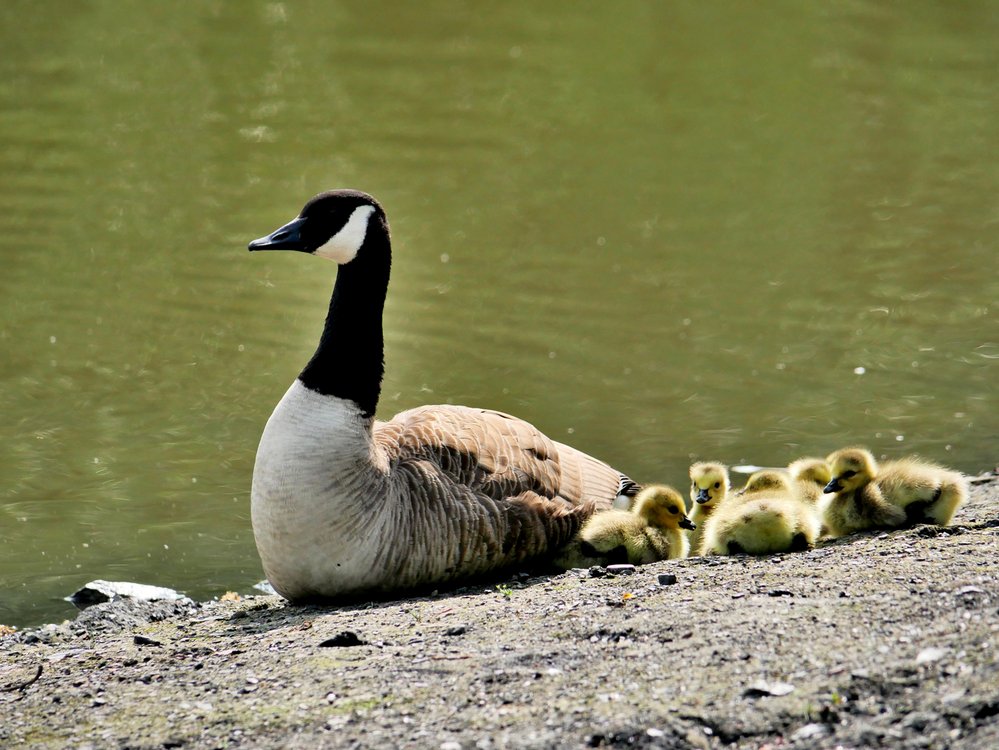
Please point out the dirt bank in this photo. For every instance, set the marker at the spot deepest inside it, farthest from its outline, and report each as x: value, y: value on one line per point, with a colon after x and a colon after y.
x: 883, y: 639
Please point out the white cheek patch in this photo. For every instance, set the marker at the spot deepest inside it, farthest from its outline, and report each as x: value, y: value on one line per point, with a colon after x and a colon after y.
x: 342, y: 247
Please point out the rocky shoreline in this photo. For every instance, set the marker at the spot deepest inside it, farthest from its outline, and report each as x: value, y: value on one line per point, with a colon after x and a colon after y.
x: 886, y: 639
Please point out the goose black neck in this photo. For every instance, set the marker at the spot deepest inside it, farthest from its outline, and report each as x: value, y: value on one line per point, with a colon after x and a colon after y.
x: 350, y: 360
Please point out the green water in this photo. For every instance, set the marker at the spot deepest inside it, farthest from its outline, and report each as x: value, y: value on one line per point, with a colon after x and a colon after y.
x: 659, y: 231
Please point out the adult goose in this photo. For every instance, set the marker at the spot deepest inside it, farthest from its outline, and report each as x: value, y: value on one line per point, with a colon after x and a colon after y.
x: 347, y: 506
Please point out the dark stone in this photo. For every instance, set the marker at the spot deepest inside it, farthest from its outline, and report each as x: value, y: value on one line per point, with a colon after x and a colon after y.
x: 345, y: 639
x: 141, y: 640
x: 620, y: 569
x: 667, y: 579
x: 97, y: 592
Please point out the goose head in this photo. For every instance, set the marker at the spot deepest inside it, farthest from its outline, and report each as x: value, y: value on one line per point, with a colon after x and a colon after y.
x: 332, y: 225
x: 708, y: 483
x: 663, y: 507
x: 851, y: 468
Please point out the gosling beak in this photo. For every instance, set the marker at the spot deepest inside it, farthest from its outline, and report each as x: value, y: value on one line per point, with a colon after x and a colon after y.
x: 833, y: 486
x: 686, y: 523
x: 288, y: 237
x: 702, y: 495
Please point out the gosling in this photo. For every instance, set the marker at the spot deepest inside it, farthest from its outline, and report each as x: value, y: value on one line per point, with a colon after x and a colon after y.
x: 924, y: 491
x: 810, y: 476
x: 770, y: 518
x: 856, y: 503
x: 709, y: 486
x: 650, y: 531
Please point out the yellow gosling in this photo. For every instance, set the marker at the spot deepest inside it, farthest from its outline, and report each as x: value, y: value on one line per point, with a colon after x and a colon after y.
x: 927, y: 492
x: 810, y: 476
x: 652, y: 530
x: 709, y: 486
x: 856, y: 503
x: 769, y: 518
x: 771, y: 481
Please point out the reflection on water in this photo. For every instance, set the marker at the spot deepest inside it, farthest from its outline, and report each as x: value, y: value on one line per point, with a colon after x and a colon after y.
x: 658, y: 232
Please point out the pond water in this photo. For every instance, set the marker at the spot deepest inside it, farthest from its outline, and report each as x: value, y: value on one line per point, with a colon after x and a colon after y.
x: 657, y: 231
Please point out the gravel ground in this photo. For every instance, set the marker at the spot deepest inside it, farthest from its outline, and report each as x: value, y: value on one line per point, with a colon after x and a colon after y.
x: 888, y: 639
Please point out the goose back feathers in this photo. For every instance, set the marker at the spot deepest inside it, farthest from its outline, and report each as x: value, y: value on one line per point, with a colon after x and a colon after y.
x: 344, y: 505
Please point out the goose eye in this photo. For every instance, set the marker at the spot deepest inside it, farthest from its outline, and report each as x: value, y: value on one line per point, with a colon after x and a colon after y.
x: 848, y: 474
x: 717, y: 485
x: 674, y: 510
x: 693, y: 485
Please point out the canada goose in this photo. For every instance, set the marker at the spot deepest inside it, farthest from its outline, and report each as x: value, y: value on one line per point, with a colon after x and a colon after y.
x: 709, y: 485
x: 810, y: 476
x: 650, y: 531
x: 344, y: 505
x: 766, y: 517
x: 925, y: 491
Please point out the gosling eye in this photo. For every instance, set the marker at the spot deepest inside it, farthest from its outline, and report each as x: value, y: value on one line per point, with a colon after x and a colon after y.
x: 674, y: 510
x: 693, y: 485
x: 848, y: 474
x: 717, y: 485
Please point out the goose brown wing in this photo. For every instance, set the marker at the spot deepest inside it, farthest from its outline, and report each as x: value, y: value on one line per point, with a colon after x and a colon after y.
x: 469, y: 533
x: 497, y: 455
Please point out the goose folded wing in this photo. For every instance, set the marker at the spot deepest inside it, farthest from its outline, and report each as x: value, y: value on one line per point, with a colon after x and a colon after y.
x: 497, y: 455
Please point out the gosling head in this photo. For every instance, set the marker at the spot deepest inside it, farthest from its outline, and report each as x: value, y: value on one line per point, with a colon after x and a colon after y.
x: 767, y: 480
x: 660, y: 505
x: 332, y: 225
x: 708, y: 483
x: 851, y: 468
x: 811, y: 470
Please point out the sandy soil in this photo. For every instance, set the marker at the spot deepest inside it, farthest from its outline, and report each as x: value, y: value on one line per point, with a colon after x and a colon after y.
x: 888, y: 639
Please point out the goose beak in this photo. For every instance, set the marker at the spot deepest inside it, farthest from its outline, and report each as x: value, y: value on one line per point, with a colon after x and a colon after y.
x: 702, y: 495
x: 833, y: 486
x: 686, y: 523
x: 288, y: 237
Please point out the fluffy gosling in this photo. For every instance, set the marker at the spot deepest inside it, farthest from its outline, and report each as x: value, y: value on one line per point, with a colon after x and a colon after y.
x: 810, y: 476
x: 768, y: 519
x: 924, y: 491
x: 652, y: 530
x: 856, y: 503
x: 709, y: 486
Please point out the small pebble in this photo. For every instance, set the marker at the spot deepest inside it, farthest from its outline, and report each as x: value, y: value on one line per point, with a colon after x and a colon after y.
x: 965, y: 590
x: 767, y: 689
x: 929, y: 655
x: 343, y: 640
x: 623, y: 569
x: 667, y: 579
x: 809, y: 732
